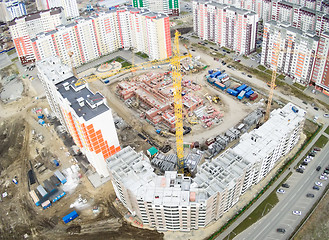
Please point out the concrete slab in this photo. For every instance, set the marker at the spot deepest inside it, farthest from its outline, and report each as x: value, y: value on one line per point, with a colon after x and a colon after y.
x: 96, y: 180
x: 4, y: 60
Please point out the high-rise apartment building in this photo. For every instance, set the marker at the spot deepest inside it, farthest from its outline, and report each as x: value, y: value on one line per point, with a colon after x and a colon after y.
x: 320, y: 74
x: 90, y: 38
x: 225, y: 25
x: 170, y: 7
x: 297, y: 50
x: 24, y: 28
x: 10, y: 9
x: 85, y: 114
x: 70, y: 6
x: 179, y: 203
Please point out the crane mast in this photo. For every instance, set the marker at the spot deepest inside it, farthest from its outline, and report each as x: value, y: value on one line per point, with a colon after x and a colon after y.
x: 275, y: 60
x: 177, y: 85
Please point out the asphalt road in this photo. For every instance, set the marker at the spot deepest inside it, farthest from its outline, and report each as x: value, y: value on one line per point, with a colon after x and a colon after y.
x: 294, y: 198
x: 300, y: 185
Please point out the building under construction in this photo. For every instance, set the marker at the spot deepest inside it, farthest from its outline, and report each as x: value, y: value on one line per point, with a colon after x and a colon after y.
x: 153, y: 92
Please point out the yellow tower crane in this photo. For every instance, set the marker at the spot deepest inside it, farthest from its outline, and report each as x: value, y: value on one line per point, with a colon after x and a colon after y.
x: 177, y: 84
x: 272, y: 86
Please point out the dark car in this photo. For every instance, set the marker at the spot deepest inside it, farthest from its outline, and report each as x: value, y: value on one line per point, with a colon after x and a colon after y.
x: 285, y: 185
x: 299, y: 170
x: 316, y: 108
x: 310, y: 195
x: 317, y: 149
x: 281, y: 230
x: 249, y: 76
x: 312, y: 154
x: 318, y: 168
x: 316, y: 187
x: 192, y: 50
x: 305, y: 163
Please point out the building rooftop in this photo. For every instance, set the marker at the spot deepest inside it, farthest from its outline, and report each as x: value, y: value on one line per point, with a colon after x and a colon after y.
x: 85, y: 103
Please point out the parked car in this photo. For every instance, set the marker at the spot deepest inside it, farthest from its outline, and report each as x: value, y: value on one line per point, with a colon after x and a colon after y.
x: 302, y: 167
x: 285, y: 185
x: 297, y: 212
x: 249, y: 76
x: 322, y: 177
x: 299, y: 170
x: 243, y: 73
x: 304, y: 163
x: 319, y: 184
x: 326, y: 115
x: 280, y: 190
x: 281, y: 230
x: 316, y: 188
x: 318, y: 168
x: 310, y: 195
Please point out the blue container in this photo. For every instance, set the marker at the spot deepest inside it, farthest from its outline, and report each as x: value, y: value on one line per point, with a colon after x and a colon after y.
x: 242, y: 87
x: 56, y: 162
x: 216, y: 74
x: 210, y: 80
x: 241, y: 95
x: 107, y: 81
x: 69, y: 217
x: 41, y: 116
x: 294, y: 109
x: 210, y: 71
x: 232, y: 92
x: 247, y: 89
x: 249, y: 93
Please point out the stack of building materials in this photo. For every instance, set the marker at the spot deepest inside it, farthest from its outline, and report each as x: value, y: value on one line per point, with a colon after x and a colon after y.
x: 253, y: 118
x: 165, y: 162
x: 200, y: 112
x: 193, y: 159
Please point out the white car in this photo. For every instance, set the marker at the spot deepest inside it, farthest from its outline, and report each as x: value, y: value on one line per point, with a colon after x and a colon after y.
x: 307, y: 160
x: 319, y: 184
x: 326, y: 115
x: 280, y: 190
x: 322, y: 177
x: 302, y: 167
x: 297, y: 213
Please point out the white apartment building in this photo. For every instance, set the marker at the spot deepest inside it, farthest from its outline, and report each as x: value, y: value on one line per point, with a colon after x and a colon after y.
x: 170, y: 7
x: 297, y: 51
x: 10, y: 9
x: 225, y: 25
x: 24, y: 28
x: 85, y: 114
x: 70, y: 6
x: 178, y: 203
x: 89, y: 38
x: 320, y: 74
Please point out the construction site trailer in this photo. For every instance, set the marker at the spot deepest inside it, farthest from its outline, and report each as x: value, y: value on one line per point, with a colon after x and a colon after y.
x: 69, y: 217
x: 35, y: 198
x: 46, y: 204
x: 60, y: 176
x: 42, y: 191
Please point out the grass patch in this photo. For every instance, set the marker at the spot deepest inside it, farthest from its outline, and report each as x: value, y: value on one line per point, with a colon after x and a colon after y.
x: 211, y: 43
x: 142, y: 55
x: 326, y: 105
x: 258, y: 213
x: 297, y: 85
x: 269, y: 71
x: 125, y: 64
x: 321, y: 142
x: 194, y: 37
x: 327, y: 130
x: 299, y: 94
x: 280, y: 77
x: 200, y: 46
x: 120, y: 60
x: 261, y: 67
x: 259, y: 50
x: 14, y: 59
x: 12, y: 51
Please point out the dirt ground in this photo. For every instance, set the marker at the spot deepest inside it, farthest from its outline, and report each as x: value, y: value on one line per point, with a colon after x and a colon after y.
x: 317, y: 226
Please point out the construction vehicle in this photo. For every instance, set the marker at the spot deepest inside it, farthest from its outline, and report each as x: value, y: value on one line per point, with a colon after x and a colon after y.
x: 216, y: 99
x: 164, y: 133
x: 192, y: 121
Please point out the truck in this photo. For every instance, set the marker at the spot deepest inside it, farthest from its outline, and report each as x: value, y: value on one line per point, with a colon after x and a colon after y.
x: 253, y: 96
x: 164, y: 133
x: 15, y: 181
x: 69, y: 217
x: 60, y: 176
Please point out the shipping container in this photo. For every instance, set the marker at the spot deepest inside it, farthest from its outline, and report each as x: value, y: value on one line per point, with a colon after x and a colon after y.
x: 249, y: 93
x: 30, y: 175
x: 210, y: 71
x: 294, y: 109
x: 247, y: 89
x: 42, y: 191
x: 60, y: 176
x: 210, y: 80
x: 41, y: 122
x: 57, y: 196
x: 242, y: 87
x: 220, y: 86
x: 232, y: 92
x: 253, y: 96
x: 216, y: 74
x: 241, y: 95
x: 35, y: 198
x: 228, y: 84
x: 69, y: 217
x: 46, y: 204
x: 56, y: 162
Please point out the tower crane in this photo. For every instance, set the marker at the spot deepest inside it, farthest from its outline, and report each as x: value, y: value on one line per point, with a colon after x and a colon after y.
x: 177, y: 79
